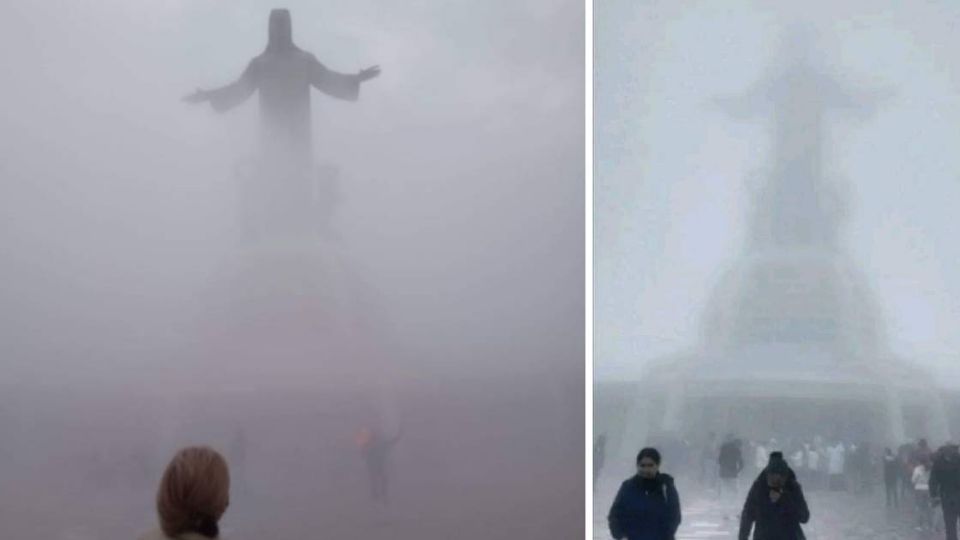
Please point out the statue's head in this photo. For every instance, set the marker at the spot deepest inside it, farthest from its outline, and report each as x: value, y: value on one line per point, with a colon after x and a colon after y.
x: 280, y: 34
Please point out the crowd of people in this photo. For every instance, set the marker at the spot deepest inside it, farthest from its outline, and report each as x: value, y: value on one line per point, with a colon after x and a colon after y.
x: 647, y: 505
x: 921, y: 485
x: 819, y: 464
x: 194, y: 491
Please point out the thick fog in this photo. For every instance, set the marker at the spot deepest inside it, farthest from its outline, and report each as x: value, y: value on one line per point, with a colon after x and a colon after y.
x: 132, y: 309
x: 672, y: 170
x: 774, y: 252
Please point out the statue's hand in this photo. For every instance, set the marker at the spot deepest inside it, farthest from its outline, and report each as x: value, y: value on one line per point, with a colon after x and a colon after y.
x: 199, y: 96
x: 369, y: 73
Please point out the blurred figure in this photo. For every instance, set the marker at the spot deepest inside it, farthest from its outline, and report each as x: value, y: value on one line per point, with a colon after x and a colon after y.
x: 647, y: 506
x: 730, y: 461
x: 599, y: 455
x: 944, y: 486
x: 859, y: 466
x: 891, y: 475
x: 836, y: 467
x: 376, y: 448
x: 922, y: 453
x: 904, y: 455
x: 798, y: 457
x: 193, y: 495
x: 921, y: 492
x: 813, y: 466
x: 775, y: 506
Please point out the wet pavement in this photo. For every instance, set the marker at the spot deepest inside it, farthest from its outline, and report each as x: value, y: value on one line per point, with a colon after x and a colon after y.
x: 834, y: 516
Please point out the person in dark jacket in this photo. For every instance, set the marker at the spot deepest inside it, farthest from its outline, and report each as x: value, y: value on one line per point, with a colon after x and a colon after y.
x: 730, y: 463
x: 945, y: 486
x: 891, y: 475
x: 376, y: 449
x: 904, y: 451
x: 775, y: 506
x: 921, y: 454
x: 647, y: 506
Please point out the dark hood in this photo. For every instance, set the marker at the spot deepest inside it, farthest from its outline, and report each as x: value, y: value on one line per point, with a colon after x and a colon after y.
x: 778, y: 465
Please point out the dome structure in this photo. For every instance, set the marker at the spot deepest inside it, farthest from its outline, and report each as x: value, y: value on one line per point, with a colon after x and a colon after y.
x: 792, y: 341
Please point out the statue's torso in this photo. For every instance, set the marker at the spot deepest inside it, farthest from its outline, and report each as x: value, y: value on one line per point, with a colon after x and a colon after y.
x: 283, y: 81
x: 284, y: 77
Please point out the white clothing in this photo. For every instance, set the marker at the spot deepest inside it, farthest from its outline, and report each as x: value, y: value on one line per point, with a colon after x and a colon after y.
x: 921, y: 478
x: 837, y: 457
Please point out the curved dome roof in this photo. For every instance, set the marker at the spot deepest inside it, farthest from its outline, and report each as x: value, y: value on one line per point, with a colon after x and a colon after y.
x: 802, y: 297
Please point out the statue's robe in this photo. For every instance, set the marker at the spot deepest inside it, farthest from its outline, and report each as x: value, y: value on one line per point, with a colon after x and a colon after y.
x: 283, y: 79
x: 282, y: 193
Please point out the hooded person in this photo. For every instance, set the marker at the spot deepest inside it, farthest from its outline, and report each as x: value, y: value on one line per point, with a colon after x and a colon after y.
x: 891, y: 475
x: 730, y: 463
x: 944, y: 485
x: 775, y: 507
x: 647, y: 505
x: 775, y: 456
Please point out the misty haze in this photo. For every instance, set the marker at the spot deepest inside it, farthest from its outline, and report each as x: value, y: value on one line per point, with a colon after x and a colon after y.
x: 340, y: 245
x: 774, y: 307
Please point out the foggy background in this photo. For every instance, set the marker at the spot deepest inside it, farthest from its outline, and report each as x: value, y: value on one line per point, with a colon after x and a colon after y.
x: 675, y: 181
x: 461, y: 178
x: 671, y: 169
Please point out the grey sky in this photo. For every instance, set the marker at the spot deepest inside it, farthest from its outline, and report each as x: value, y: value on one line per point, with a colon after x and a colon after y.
x: 670, y: 173
x: 462, y: 170
x: 461, y: 213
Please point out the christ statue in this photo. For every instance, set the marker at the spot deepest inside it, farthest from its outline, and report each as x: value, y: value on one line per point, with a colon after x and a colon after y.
x: 283, y: 190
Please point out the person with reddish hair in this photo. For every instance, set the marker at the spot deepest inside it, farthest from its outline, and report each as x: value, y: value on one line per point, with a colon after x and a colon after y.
x: 193, y: 495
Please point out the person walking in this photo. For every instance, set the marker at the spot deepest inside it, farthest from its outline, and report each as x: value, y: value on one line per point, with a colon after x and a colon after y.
x: 836, y: 467
x: 647, y: 505
x: 730, y: 461
x: 891, y: 475
x: 921, y: 493
x: 775, y: 507
x: 944, y: 486
x: 376, y: 448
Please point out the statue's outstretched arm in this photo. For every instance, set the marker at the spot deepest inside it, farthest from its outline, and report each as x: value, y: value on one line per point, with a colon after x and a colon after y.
x: 339, y: 85
x: 229, y: 96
